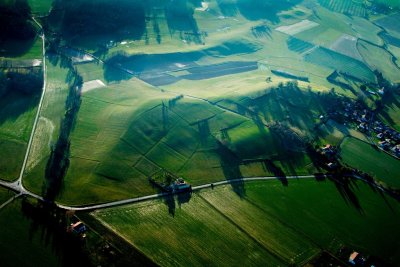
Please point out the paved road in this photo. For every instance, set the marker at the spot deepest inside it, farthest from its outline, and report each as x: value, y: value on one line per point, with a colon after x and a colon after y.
x: 38, y: 110
x: 15, y: 186
x: 195, y: 188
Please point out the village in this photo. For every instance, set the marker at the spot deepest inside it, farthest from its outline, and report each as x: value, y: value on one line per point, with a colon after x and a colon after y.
x: 357, y: 115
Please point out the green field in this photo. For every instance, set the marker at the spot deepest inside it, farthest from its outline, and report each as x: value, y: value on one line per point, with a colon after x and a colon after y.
x: 203, y: 128
x: 351, y: 7
x: 392, y: 3
x: 379, y: 59
x: 17, y: 112
x: 364, y: 157
x: 17, y: 232
x: 40, y: 6
x: 334, y: 133
x: 48, y: 127
x: 5, y: 195
x: 292, y: 223
x: 16, y: 50
x: 391, y: 112
x: 342, y: 63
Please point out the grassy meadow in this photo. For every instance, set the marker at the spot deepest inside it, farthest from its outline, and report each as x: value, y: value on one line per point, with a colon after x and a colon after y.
x: 48, y: 127
x: 363, y: 156
x: 40, y: 6
x: 379, y: 59
x: 391, y: 113
x: 5, y: 195
x: 33, y: 248
x: 17, y: 113
x: 179, y: 96
x: 292, y: 223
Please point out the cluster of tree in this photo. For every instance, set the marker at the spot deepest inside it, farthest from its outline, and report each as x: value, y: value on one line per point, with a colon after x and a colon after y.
x: 15, y: 20
x: 287, y: 138
x: 390, y: 90
x: 91, y: 17
x: 26, y: 81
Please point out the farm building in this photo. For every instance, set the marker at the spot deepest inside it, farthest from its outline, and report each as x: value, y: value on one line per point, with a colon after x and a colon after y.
x: 180, y: 185
x: 77, y: 228
x: 356, y: 259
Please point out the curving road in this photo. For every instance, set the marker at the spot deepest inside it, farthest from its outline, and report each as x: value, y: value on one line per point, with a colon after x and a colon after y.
x: 16, y: 186
x: 195, y: 188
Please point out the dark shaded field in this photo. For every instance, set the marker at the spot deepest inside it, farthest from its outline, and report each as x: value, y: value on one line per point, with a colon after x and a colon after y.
x: 390, y: 39
x: 390, y: 22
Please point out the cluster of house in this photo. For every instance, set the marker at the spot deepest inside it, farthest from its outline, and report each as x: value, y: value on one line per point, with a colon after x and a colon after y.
x: 389, y: 138
x: 330, y: 153
x: 356, y: 259
x: 359, y: 115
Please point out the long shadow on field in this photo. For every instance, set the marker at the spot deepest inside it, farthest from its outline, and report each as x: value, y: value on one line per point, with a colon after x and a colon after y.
x: 261, y: 31
x: 228, y: 8
x: 17, y: 34
x: 180, y: 18
x: 169, y: 200
x: 58, y: 162
x: 19, y: 92
x: 276, y: 171
x: 172, y: 199
x: 346, y: 186
x: 230, y: 165
x: 48, y: 224
x: 101, y: 20
x: 389, y: 100
x: 256, y: 9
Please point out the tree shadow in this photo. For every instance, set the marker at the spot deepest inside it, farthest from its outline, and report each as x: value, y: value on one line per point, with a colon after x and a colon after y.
x: 180, y: 18
x: 183, y: 198
x: 58, y: 162
x: 17, y: 34
x: 228, y: 8
x: 261, y: 31
x: 48, y: 225
x: 204, y: 131
x: 346, y: 187
x: 230, y: 165
x: 171, y: 200
x: 276, y: 171
x: 103, y: 21
x: 260, y: 9
x: 20, y: 91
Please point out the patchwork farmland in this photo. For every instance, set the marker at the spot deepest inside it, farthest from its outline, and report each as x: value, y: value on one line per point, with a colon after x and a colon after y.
x: 288, y: 227
x: 282, y: 116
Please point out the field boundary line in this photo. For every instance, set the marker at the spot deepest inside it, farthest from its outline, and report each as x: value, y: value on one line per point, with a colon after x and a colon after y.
x: 272, y: 253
